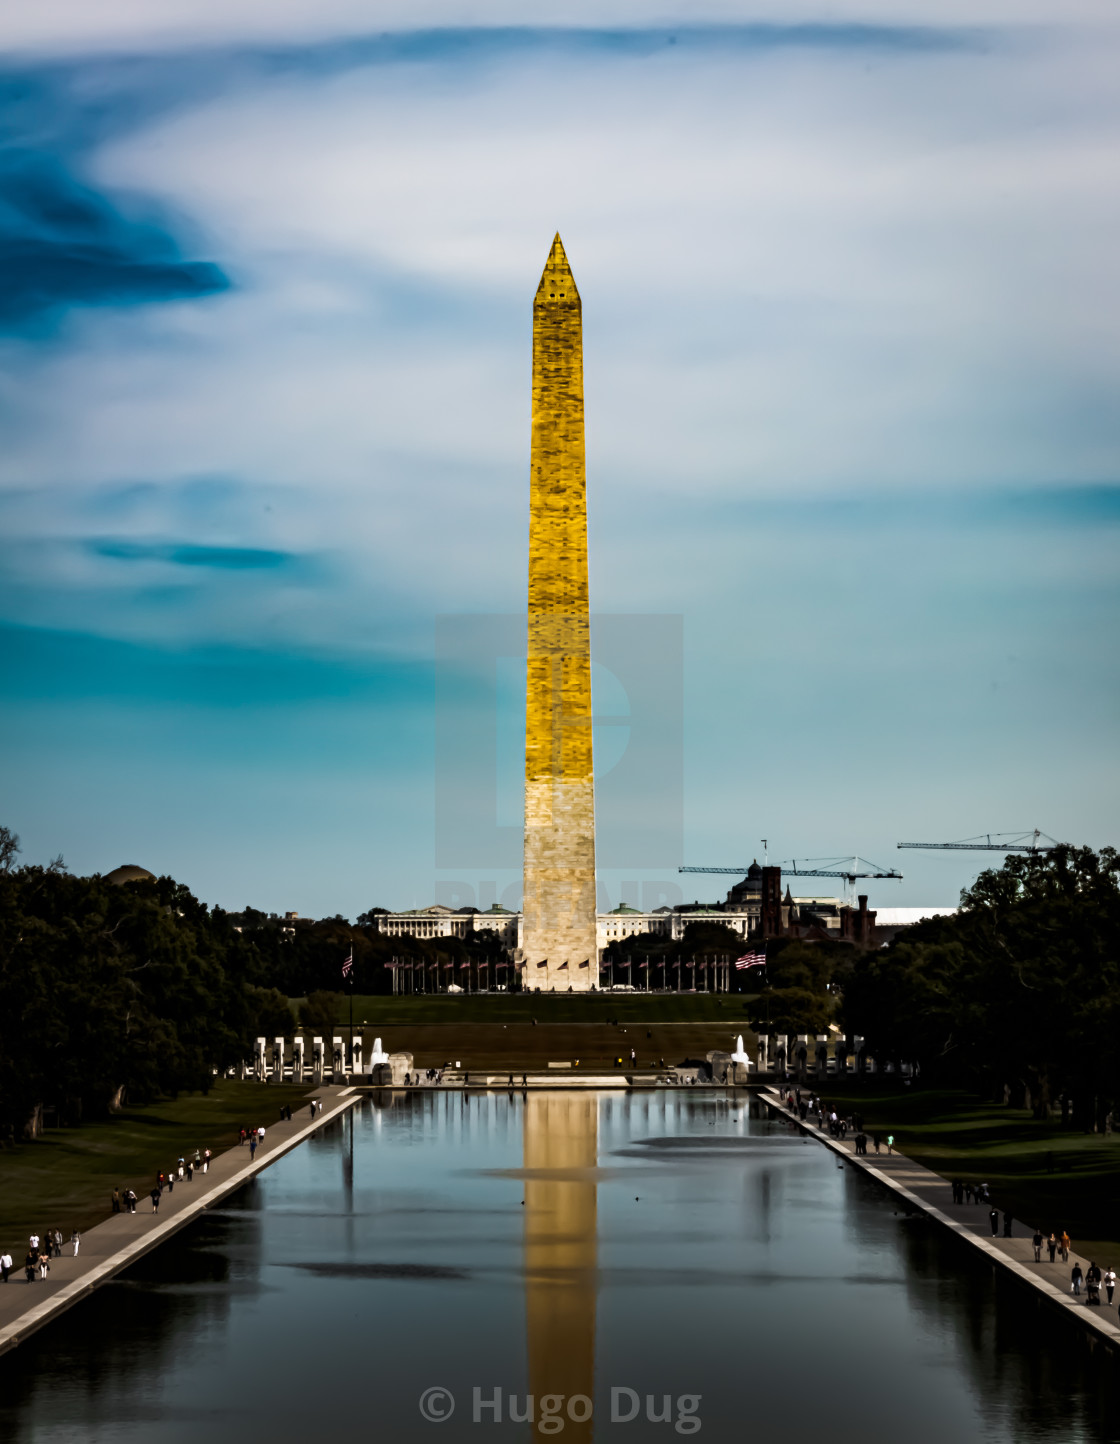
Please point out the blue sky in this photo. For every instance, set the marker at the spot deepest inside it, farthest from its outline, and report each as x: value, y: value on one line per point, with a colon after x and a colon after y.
x: 851, y: 306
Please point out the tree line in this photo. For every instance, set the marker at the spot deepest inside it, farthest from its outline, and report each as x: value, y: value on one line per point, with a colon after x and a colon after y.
x: 115, y: 993
x: 1016, y: 996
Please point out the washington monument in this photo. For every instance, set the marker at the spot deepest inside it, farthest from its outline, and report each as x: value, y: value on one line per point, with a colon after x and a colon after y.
x: 558, y: 937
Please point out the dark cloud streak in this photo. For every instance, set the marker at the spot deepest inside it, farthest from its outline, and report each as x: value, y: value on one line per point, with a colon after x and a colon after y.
x: 183, y: 554
x: 63, y: 245
x: 84, y: 102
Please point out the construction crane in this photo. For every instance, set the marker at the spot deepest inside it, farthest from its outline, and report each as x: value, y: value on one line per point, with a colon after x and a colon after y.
x: 849, y: 868
x: 993, y: 842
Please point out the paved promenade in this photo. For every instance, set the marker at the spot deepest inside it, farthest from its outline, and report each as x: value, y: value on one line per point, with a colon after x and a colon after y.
x: 124, y: 1237
x: 934, y: 1195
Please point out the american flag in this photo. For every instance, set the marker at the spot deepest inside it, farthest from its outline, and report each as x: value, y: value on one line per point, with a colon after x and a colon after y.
x: 751, y: 960
x: 348, y: 965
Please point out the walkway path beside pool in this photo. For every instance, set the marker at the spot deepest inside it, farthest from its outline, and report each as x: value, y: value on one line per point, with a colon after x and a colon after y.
x: 124, y: 1237
x: 934, y: 1195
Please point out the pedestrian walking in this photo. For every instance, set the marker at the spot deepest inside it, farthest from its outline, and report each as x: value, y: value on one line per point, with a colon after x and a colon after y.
x: 1093, y: 1284
x: 130, y: 1198
x: 190, y: 1171
x: 182, y: 1167
x: 76, y: 1238
x: 171, y: 1181
x: 206, y: 1161
x: 116, y: 1200
x: 241, y: 1140
x: 33, y: 1243
x: 1064, y: 1245
x: 155, y: 1199
x: 1052, y: 1246
x: 993, y: 1219
x: 252, y: 1146
x: 6, y: 1268
x: 44, y: 1262
x: 1037, y: 1242
x: 30, y: 1264
x: 1108, y: 1279
x: 56, y: 1242
x: 1076, y: 1277
x: 890, y: 1142
x: 968, y: 1193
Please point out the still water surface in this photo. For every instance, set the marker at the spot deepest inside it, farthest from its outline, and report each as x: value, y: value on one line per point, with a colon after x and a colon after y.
x: 703, y: 1264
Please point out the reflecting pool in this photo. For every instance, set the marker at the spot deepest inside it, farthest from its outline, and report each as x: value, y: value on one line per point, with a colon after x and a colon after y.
x: 438, y: 1267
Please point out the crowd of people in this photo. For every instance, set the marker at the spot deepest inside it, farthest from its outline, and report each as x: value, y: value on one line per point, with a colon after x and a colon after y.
x: 837, y: 1125
x: 1092, y: 1279
x: 41, y: 1248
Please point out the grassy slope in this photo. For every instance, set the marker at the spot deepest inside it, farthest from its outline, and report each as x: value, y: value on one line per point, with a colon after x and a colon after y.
x: 959, y: 1136
x: 498, y: 1031
x: 514, y: 1046
x: 376, y: 1010
x: 65, y: 1179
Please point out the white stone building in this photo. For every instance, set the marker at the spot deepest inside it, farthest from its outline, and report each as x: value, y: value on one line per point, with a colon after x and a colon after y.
x: 439, y: 921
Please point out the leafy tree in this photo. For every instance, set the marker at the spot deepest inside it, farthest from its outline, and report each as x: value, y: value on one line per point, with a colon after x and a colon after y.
x: 320, y: 1013
x: 1018, y: 993
x: 109, y: 992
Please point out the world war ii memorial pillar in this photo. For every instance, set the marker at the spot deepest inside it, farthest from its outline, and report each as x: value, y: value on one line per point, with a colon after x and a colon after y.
x: 558, y: 930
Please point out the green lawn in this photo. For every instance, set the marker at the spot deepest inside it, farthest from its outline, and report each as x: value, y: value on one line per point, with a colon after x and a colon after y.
x: 517, y: 1046
x: 64, y: 1179
x: 1044, y: 1174
x: 374, y: 1009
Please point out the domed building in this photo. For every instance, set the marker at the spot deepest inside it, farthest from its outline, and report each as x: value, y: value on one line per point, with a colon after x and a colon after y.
x: 129, y: 872
x: 746, y: 896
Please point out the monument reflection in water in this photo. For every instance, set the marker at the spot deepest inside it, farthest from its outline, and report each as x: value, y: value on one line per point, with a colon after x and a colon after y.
x: 561, y: 1155
x: 565, y: 1247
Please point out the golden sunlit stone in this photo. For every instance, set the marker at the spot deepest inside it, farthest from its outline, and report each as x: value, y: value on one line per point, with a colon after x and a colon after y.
x: 559, y: 906
x: 561, y: 1143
